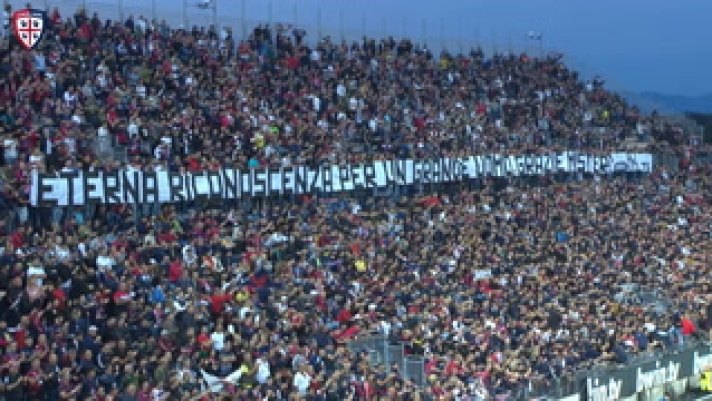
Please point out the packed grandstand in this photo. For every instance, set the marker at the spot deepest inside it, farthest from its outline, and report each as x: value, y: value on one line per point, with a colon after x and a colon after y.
x: 492, y: 286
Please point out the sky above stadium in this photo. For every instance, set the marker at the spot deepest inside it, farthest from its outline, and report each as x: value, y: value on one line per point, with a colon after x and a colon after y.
x: 656, y: 45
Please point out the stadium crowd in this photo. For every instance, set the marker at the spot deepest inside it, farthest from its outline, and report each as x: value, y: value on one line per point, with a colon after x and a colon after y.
x: 494, y: 286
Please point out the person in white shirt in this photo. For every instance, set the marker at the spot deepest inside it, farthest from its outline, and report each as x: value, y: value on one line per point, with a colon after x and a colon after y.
x: 133, y: 128
x: 263, y: 371
x: 82, y: 248
x: 36, y: 272
x: 242, y: 313
x: 11, y: 155
x: 70, y: 98
x: 276, y: 239
x: 103, y: 138
x: 62, y: 253
x: 218, y: 338
x: 141, y: 90
x: 189, y: 256
x: 105, y: 262
x: 158, y: 394
x: 316, y: 103
x: 71, y: 144
x: 78, y: 117
x: 161, y: 151
x: 302, y: 380
x: 141, y: 24
x: 36, y: 159
x: 102, y: 80
x: 341, y: 90
x: 355, y: 208
x: 224, y: 33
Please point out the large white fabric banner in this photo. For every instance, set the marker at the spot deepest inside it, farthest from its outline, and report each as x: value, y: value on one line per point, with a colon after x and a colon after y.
x: 72, y: 188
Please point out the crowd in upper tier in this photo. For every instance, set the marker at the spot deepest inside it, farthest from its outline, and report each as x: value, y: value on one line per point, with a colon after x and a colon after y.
x: 198, y: 99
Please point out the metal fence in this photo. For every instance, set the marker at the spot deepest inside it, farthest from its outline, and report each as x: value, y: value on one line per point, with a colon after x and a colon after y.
x: 388, y: 352
x: 577, y: 383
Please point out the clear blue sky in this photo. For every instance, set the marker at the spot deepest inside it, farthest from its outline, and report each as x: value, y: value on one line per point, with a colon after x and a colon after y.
x: 656, y: 45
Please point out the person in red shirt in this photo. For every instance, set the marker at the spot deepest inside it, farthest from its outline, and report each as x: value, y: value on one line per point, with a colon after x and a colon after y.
x: 122, y: 298
x: 56, y: 17
x: 688, y: 326
x: 33, y: 383
x: 292, y: 62
x: 85, y: 32
x: 218, y: 301
x: 344, y: 316
x: 175, y: 271
x: 194, y: 164
x: 167, y: 238
x: 22, y: 332
x: 18, y: 238
x: 368, y: 390
x: 453, y: 368
x: 203, y: 340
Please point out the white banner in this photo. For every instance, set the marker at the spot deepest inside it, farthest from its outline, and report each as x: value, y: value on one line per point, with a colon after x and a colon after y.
x: 78, y: 188
x: 216, y: 384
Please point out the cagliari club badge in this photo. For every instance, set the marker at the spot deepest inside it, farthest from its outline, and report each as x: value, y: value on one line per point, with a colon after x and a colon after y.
x: 29, y: 26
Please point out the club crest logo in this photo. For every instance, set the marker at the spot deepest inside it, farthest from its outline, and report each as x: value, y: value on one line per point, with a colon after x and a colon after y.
x: 29, y: 26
